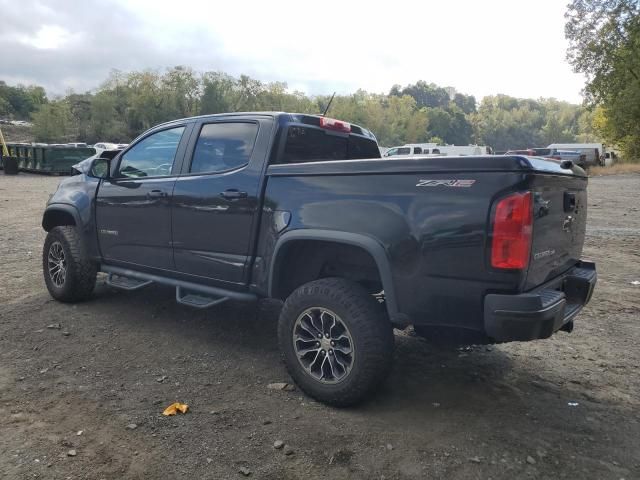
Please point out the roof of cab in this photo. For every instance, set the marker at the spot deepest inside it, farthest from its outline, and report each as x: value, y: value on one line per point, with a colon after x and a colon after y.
x: 284, y: 117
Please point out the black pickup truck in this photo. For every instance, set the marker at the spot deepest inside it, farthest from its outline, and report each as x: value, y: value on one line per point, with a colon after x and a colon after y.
x: 302, y: 209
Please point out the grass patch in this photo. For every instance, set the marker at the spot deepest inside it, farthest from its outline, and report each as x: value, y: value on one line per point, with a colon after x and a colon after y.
x: 616, y: 169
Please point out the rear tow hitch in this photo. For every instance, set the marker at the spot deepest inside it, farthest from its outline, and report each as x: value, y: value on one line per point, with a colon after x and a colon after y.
x: 567, y: 327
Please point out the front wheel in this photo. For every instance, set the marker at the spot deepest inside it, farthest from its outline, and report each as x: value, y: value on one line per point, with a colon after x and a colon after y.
x: 337, y: 344
x: 69, y: 273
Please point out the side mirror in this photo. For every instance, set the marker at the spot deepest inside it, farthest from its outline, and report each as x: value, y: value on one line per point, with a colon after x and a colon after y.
x: 100, y: 168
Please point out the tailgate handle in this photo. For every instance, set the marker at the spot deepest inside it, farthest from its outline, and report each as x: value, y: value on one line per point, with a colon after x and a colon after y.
x: 569, y: 201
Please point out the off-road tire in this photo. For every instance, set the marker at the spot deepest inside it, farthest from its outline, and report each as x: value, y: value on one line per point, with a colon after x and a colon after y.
x: 81, y: 271
x: 369, y: 328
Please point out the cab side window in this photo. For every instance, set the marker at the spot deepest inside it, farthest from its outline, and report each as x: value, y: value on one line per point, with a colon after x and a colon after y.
x: 223, y: 146
x: 153, y: 156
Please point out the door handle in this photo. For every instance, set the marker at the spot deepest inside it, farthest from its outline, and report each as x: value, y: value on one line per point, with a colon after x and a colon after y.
x: 233, y: 193
x: 156, y: 194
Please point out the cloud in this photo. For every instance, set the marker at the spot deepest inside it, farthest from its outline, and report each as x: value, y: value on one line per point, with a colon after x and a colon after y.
x: 478, y: 47
x: 50, y: 37
x: 66, y: 44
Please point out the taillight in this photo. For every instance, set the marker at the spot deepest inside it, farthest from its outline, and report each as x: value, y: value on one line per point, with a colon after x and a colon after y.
x: 333, y: 124
x: 512, y: 226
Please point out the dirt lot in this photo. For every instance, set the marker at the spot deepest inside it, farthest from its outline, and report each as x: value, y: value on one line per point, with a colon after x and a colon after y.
x: 560, y: 408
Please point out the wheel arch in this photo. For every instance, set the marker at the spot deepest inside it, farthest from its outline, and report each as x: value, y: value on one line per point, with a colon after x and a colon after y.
x: 60, y: 214
x: 368, y: 244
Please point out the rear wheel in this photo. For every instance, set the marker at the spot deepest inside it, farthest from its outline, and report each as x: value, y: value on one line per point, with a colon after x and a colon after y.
x: 337, y: 344
x: 69, y: 273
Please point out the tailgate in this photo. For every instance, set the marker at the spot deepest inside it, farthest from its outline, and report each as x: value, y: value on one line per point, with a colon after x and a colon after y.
x: 560, y: 215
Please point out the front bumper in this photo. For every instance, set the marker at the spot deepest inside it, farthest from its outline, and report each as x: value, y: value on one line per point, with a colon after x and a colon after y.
x: 541, y: 312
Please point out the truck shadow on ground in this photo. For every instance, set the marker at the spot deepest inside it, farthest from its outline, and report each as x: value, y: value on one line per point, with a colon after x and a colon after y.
x: 424, y: 378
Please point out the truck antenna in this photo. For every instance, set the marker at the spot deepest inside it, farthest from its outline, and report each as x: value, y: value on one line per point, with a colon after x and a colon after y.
x: 328, y: 104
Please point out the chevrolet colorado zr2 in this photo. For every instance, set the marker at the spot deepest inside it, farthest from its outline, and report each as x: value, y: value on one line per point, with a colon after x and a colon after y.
x: 302, y: 209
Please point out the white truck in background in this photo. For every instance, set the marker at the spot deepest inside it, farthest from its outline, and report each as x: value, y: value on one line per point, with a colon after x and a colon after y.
x: 433, y: 149
x: 595, y: 153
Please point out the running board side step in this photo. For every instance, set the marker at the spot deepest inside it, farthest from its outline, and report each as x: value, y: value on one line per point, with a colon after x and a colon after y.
x: 187, y: 293
x: 126, y: 283
x: 197, y: 300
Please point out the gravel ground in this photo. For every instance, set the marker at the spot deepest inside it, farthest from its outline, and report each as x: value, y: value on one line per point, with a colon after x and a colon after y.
x: 95, y: 387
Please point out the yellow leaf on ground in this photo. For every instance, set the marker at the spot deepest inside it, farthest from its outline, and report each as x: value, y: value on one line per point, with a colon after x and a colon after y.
x: 175, y: 408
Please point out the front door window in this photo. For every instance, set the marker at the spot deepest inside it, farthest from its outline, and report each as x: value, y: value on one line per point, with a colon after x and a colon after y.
x: 153, y: 156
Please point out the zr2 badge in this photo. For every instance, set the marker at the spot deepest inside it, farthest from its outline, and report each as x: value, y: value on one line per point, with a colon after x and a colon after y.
x: 445, y: 183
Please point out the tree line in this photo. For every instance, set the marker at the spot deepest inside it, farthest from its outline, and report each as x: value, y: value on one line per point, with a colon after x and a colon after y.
x: 126, y: 104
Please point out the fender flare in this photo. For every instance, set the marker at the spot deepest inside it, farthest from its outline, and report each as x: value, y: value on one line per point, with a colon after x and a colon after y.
x: 367, y: 243
x: 63, y: 207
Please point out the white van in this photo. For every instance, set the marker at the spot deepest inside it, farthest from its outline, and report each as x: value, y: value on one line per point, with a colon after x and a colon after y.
x: 410, y: 150
x: 594, y: 152
x: 433, y: 149
x: 464, y: 150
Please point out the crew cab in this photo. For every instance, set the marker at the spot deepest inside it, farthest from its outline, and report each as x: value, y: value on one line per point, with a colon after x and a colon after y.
x: 302, y: 209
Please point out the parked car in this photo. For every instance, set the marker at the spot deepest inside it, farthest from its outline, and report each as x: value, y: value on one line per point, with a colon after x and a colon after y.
x: 105, y: 146
x: 422, y: 149
x: 403, y: 151
x: 106, y: 149
x: 527, y: 151
x: 551, y: 154
x: 21, y: 123
x: 594, y: 152
x: 301, y: 209
x: 560, y: 155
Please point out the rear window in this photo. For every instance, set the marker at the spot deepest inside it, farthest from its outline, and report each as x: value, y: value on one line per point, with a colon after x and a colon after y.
x: 309, y: 144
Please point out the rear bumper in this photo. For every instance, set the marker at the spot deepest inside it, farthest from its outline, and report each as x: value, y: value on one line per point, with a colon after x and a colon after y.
x: 541, y: 312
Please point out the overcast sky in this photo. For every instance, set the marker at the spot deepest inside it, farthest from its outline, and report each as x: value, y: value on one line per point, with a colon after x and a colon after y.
x: 484, y: 47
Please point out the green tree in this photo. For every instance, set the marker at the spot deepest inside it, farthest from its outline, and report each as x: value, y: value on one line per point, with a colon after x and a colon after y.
x: 5, y: 107
x: 425, y: 94
x: 20, y: 101
x: 107, y: 124
x: 180, y: 92
x: 53, y: 122
x: 440, y: 123
x: 80, y: 110
x: 505, y: 123
x: 604, y: 44
x: 466, y: 103
x: 218, y: 93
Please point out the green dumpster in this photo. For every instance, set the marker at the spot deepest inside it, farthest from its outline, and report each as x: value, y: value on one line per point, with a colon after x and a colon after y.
x: 49, y: 159
x: 59, y: 160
